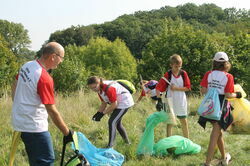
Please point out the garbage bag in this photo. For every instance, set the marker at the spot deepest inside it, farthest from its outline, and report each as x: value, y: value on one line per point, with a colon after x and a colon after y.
x: 146, y: 143
x: 177, y: 144
x: 98, y: 156
x: 241, y: 113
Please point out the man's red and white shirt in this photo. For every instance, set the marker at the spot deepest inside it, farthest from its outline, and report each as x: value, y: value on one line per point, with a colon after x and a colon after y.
x: 35, y: 87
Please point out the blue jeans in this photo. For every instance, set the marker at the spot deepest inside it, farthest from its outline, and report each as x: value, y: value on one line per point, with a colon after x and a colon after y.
x: 39, y: 148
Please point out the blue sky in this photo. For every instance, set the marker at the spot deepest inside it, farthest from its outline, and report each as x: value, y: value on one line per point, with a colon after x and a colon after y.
x: 43, y: 17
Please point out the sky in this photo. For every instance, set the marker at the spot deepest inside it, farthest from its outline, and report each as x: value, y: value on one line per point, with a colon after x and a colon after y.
x: 43, y: 17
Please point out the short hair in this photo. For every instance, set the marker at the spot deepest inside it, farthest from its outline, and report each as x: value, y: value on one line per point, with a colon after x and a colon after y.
x: 49, y: 49
x: 222, y: 66
x: 175, y: 59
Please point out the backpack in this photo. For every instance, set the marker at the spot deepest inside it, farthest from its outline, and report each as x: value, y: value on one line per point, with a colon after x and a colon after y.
x: 151, y: 84
x: 210, y: 107
x: 126, y: 84
x: 181, y: 74
x: 168, y: 80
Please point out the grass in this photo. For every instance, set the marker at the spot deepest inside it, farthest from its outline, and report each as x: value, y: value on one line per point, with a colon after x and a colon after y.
x: 77, y: 111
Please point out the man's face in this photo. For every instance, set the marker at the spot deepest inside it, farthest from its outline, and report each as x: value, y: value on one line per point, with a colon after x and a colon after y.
x: 57, y: 59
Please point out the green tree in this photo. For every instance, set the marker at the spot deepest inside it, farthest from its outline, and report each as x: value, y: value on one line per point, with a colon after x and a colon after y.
x: 78, y: 35
x: 15, y: 35
x: 69, y: 77
x: 196, y: 48
x: 240, y: 59
x: 112, y: 60
x: 8, y: 66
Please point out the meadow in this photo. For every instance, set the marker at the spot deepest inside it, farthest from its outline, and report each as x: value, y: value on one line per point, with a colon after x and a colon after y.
x: 77, y: 111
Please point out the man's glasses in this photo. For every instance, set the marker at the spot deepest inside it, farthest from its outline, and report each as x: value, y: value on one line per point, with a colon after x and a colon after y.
x: 60, y: 56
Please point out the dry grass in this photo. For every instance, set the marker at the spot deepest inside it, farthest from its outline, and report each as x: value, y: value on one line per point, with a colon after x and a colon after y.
x: 77, y: 111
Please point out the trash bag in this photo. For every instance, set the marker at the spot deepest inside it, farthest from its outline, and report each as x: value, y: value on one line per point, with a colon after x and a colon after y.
x: 177, y: 144
x: 98, y: 156
x: 241, y: 113
x: 147, y: 140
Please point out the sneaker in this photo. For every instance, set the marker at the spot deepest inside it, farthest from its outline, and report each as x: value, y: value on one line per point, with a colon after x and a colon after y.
x: 226, y: 161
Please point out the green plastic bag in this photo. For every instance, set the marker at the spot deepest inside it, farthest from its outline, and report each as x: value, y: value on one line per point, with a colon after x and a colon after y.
x: 146, y: 144
x: 181, y: 145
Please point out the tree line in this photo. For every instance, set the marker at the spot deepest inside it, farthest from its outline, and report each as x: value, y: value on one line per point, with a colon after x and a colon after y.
x: 140, y: 43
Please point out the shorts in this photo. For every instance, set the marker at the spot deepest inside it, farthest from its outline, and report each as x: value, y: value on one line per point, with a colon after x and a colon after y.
x: 154, y: 98
x: 181, y: 116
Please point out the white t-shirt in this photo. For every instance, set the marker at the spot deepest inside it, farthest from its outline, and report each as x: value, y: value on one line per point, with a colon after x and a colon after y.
x: 116, y: 92
x: 146, y: 90
x: 35, y: 87
x: 222, y: 81
x: 179, y: 99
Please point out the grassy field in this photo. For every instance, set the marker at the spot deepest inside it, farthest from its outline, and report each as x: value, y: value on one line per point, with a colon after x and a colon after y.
x: 77, y: 111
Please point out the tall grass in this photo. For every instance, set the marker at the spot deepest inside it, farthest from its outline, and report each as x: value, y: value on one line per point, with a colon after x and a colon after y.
x: 77, y: 111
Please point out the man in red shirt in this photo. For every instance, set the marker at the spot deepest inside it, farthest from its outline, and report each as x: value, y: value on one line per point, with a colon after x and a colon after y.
x: 33, y: 101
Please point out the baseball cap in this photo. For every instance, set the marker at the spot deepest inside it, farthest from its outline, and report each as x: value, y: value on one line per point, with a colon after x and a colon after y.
x: 220, y: 57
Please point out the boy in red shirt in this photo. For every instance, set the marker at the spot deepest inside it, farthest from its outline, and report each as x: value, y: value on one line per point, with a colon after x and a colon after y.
x: 175, y: 82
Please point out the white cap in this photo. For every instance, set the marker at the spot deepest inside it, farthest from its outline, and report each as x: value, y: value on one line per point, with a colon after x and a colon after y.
x: 220, y: 57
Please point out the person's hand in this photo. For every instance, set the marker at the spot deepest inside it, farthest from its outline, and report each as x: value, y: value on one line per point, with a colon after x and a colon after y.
x: 238, y: 95
x: 173, y: 87
x: 98, y: 116
x: 68, y: 138
x: 159, y: 105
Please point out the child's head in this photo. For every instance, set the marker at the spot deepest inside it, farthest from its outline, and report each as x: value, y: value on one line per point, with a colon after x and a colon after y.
x: 176, y: 62
x: 221, y: 62
x: 95, y: 83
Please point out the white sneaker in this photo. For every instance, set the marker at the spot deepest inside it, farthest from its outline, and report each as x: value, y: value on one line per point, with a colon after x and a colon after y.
x: 226, y: 160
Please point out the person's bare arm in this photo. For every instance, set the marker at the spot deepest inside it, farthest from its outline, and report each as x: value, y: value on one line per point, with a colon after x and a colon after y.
x: 230, y: 95
x: 57, y: 119
x: 102, y: 107
x: 13, y: 89
x: 173, y: 87
x: 158, y: 93
x: 111, y: 108
x: 203, y: 90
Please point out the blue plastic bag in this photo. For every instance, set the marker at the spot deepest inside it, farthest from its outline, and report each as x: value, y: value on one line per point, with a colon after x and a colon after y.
x: 98, y: 156
x: 210, y: 105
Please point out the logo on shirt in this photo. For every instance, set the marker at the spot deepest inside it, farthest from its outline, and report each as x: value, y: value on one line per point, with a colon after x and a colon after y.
x: 24, y: 74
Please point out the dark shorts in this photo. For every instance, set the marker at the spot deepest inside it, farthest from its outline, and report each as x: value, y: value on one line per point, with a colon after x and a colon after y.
x: 39, y: 148
x: 182, y: 117
x: 226, y: 116
x: 154, y: 98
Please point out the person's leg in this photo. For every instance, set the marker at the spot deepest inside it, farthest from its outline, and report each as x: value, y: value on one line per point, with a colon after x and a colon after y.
x: 121, y: 129
x: 39, y: 148
x: 113, y: 120
x: 221, y: 145
x: 213, y: 141
x: 184, y: 126
x: 169, y: 130
x: 154, y: 100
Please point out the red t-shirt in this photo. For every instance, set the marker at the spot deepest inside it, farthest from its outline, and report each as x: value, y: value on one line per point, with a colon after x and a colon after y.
x: 162, y: 85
